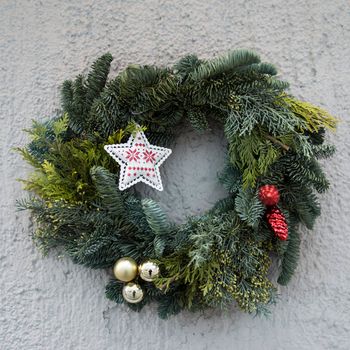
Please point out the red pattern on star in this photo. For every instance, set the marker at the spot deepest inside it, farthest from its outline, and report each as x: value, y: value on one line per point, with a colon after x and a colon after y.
x: 132, y: 154
x: 149, y: 156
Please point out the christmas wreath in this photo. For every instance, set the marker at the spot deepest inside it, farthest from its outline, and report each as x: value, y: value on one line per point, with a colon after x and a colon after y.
x: 88, y: 157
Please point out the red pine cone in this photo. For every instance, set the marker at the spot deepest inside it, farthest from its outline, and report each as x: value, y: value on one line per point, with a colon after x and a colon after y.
x: 269, y: 195
x: 278, y: 223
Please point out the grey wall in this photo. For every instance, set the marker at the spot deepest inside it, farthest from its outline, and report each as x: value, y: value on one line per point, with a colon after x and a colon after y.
x: 48, y: 303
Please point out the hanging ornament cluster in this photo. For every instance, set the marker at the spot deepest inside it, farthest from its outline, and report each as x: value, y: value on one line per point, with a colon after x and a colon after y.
x: 126, y: 270
x: 270, y: 196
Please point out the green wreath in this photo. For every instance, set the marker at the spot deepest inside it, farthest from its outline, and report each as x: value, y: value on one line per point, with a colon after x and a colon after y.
x: 272, y: 177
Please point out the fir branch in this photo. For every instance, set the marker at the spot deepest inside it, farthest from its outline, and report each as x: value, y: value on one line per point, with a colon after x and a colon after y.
x: 249, y: 207
x: 114, y: 291
x: 157, y: 221
x: 97, y: 77
x: 155, y: 216
x: 106, y: 186
x: 223, y: 64
x: 290, y: 257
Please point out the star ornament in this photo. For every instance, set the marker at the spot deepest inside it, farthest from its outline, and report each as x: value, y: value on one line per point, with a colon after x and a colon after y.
x: 139, y: 161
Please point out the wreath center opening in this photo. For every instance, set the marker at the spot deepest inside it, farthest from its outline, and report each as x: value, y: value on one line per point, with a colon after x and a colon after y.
x: 190, y: 174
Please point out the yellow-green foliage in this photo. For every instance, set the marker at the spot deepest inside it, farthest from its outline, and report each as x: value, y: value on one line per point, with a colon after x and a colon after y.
x: 60, y: 125
x: 131, y: 128
x: 65, y: 175
x: 253, y: 154
x: 315, y: 117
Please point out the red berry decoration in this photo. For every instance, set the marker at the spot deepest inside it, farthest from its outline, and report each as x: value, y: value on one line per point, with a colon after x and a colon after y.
x: 277, y: 222
x: 269, y: 195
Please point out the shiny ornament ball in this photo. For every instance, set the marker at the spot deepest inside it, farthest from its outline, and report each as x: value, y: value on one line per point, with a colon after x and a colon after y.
x: 132, y: 293
x: 125, y: 269
x: 269, y: 195
x: 148, y: 271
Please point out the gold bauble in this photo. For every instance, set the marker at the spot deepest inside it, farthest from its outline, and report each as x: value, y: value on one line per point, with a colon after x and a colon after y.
x: 148, y: 271
x: 132, y: 293
x: 125, y: 269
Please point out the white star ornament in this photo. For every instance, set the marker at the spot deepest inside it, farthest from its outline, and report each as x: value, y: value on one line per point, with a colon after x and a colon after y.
x: 139, y: 161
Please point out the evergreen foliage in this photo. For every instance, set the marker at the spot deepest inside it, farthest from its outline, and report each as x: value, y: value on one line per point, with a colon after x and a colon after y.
x: 249, y: 208
x: 290, y: 256
x: 213, y: 260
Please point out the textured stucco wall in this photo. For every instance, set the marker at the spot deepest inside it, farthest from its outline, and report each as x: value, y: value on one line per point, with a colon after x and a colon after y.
x: 50, y: 303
